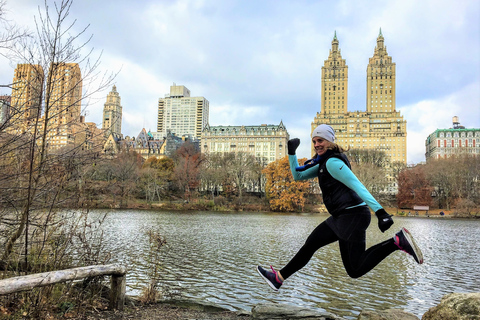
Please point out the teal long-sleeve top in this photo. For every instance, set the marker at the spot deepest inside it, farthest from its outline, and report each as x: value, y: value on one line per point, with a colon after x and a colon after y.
x: 342, y: 173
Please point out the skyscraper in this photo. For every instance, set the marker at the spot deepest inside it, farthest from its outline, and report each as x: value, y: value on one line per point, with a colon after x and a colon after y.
x: 181, y: 114
x: 112, y: 114
x: 380, y: 80
x: 380, y: 127
x: 26, y: 102
x: 64, y: 92
x: 334, y: 82
x: 62, y: 103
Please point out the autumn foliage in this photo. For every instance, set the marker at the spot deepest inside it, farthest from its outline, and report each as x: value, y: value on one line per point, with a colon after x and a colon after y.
x: 284, y: 193
x: 413, y: 188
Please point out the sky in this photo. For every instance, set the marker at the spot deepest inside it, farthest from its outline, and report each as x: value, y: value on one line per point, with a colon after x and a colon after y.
x: 259, y: 62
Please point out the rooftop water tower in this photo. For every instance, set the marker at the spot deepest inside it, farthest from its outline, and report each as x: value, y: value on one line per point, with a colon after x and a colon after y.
x: 456, y: 123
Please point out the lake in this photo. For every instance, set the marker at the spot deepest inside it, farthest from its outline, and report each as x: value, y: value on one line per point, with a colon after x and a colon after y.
x: 212, y: 257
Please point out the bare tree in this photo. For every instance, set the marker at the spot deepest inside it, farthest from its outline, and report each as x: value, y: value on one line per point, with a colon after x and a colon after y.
x: 46, y: 105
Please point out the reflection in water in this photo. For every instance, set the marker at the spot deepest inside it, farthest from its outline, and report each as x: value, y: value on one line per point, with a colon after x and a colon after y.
x: 212, y: 257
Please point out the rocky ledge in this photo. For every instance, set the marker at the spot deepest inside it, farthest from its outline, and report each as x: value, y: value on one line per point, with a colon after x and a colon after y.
x: 454, y: 306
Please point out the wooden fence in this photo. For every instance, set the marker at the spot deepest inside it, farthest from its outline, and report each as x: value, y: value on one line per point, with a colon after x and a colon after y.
x: 28, y: 282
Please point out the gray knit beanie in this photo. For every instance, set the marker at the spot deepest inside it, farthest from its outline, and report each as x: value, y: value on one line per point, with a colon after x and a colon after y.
x: 324, y: 131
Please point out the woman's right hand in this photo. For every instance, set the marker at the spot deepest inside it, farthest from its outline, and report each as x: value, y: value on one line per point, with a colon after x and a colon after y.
x: 292, y: 145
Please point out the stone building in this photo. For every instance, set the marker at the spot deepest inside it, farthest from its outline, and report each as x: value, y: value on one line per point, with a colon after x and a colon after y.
x: 26, y: 100
x: 378, y: 127
x: 265, y: 142
x: 112, y: 114
x: 455, y: 141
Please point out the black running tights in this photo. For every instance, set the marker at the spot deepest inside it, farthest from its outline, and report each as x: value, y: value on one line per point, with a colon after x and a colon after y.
x: 356, y: 259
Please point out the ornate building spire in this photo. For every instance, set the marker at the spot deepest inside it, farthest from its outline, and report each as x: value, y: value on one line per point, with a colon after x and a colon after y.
x: 334, y: 81
x: 112, y: 114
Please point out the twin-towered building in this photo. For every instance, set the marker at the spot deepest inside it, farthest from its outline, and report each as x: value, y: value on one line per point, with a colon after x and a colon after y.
x: 380, y: 126
x: 50, y: 103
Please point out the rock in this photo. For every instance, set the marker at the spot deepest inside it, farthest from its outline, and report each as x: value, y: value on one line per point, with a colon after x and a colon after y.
x: 389, y: 314
x: 272, y: 311
x: 456, y: 306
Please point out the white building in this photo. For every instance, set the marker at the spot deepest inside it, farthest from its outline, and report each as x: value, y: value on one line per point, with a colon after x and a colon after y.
x: 444, y: 143
x: 181, y: 114
x: 265, y: 142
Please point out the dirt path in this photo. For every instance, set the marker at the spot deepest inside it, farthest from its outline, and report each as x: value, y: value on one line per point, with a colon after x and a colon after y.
x: 162, y: 311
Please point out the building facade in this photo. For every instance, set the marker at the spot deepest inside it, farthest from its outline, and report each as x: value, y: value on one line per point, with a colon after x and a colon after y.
x: 380, y: 127
x: 456, y: 141
x: 265, y: 142
x: 62, y: 104
x: 26, y: 101
x: 112, y: 114
x: 182, y: 114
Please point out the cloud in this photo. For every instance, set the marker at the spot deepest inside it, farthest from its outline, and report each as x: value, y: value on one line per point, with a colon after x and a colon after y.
x: 426, y: 116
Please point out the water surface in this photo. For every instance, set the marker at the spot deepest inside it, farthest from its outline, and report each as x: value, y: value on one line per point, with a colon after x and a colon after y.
x: 212, y: 257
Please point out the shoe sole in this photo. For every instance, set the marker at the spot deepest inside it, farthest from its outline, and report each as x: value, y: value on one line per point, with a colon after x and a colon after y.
x: 266, y: 280
x: 413, y: 244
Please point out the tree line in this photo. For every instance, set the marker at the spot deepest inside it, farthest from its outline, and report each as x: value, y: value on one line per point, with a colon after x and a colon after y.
x: 443, y: 184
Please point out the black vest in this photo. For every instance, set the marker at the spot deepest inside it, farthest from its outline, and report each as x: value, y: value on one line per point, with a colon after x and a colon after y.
x: 336, y: 195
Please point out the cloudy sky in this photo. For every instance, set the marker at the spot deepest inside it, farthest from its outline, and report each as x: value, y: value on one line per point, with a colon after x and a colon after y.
x: 259, y: 62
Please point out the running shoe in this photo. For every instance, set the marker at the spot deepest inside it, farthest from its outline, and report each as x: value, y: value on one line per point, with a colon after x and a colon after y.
x: 270, y: 277
x: 404, y: 241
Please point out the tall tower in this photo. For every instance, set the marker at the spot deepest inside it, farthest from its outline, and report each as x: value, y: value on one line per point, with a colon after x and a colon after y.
x: 334, y: 82
x: 26, y: 98
x: 112, y: 114
x: 64, y: 93
x: 380, y: 80
x: 181, y: 114
x: 62, y: 103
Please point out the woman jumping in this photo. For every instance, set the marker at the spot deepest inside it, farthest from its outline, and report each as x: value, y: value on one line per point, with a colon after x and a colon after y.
x: 348, y: 202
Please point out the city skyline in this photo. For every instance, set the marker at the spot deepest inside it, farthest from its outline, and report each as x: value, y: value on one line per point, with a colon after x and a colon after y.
x: 260, y: 62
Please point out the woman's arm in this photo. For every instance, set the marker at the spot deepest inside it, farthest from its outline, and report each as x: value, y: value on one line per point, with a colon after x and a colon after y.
x: 340, y: 171
x: 301, y: 175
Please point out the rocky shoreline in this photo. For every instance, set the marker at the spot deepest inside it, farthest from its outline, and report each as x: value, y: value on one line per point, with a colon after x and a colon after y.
x: 454, y: 306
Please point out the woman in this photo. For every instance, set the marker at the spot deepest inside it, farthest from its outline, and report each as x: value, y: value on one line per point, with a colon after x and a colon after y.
x: 347, y: 200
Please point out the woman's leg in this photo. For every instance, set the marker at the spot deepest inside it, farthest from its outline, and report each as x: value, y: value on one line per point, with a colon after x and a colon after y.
x: 321, y: 236
x: 358, y: 262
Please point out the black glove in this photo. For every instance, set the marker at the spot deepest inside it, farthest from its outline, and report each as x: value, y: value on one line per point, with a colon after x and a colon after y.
x: 293, y: 145
x: 385, y: 220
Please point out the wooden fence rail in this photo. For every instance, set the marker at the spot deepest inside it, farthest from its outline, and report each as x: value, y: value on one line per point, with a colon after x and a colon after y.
x: 28, y: 282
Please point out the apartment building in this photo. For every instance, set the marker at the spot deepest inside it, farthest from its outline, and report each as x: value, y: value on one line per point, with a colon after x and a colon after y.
x: 265, y: 142
x: 181, y: 114
x: 455, y: 141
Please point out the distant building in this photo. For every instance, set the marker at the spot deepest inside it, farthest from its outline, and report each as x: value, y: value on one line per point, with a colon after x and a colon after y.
x: 112, y: 114
x: 61, y: 109
x: 63, y: 99
x: 458, y: 140
x: 380, y: 127
x: 26, y: 101
x: 265, y: 142
x: 181, y: 114
x: 146, y: 144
